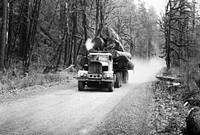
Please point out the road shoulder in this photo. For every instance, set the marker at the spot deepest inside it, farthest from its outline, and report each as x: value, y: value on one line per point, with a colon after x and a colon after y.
x: 132, y: 115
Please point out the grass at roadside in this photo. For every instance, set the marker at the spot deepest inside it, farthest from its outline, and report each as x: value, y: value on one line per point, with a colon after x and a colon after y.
x: 11, y: 85
x: 170, y: 112
x: 132, y: 116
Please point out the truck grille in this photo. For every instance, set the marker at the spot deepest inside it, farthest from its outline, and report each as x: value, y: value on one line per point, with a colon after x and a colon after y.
x: 95, y: 68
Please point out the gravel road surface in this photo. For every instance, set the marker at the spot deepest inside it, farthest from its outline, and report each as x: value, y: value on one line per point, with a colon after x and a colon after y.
x: 66, y: 111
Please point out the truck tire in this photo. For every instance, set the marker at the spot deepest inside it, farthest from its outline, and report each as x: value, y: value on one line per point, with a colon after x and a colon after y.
x: 110, y: 87
x: 118, y: 82
x: 81, y: 85
x: 125, y: 77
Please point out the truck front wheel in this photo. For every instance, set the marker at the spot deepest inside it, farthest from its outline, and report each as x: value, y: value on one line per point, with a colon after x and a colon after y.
x: 110, y: 87
x: 81, y: 85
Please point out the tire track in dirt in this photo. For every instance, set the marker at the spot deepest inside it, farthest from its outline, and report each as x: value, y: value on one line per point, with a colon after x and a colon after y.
x: 132, y: 116
x: 61, y: 112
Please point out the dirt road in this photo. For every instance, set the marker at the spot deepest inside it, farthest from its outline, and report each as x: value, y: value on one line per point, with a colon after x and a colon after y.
x: 65, y: 111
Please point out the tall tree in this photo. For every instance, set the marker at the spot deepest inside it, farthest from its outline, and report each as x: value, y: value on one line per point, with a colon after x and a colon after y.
x: 3, y: 35
x: 28, y: 31
x: 176, y: 27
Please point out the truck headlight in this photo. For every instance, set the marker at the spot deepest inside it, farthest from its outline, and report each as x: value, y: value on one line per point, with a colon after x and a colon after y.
x: 108, y: 75
x: 82, y: 73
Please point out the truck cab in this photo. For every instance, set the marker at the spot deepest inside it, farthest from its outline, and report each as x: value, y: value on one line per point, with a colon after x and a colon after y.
x: 98, y: 71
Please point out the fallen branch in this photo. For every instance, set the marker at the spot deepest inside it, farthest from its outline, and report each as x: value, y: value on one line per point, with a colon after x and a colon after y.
x: 168, y: 78
x: 70, y: 68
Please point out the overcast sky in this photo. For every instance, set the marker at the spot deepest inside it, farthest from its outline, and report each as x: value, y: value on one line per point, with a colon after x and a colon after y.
x: 159, y: 5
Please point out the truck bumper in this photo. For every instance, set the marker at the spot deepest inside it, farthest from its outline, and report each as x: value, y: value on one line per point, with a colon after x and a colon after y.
x: 95, y: 80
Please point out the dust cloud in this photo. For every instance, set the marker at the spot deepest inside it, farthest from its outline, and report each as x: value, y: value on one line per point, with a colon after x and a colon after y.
x: 145, y: 71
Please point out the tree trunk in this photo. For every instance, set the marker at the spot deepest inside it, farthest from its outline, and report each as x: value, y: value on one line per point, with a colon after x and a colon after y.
x: 33, y: 30
x: 24, y: 31
x: 97, y: 16
x: 74, y: 31
x: 66, y: 51
x: 10, y: 35
x: 168, y: 39
x: 101, y: 15
x: 67, y: 39
x: 28, y: 31
x: 149, y: 47
x: 84, y: 22
x: 3, y: 36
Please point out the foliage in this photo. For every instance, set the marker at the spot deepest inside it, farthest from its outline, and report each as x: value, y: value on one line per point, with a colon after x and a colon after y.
x: 170, y: 113
x: 51, y: 33
x: 137, y: 27
x: 178, y: 26
x: 48, y: 34
x: 10, y: 84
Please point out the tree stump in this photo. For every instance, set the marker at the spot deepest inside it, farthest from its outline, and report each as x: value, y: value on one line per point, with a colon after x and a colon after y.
x: 193, y: 121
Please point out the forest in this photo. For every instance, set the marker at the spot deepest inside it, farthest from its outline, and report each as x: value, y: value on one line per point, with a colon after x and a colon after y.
x: 50, y: 33
x: 38, y: 36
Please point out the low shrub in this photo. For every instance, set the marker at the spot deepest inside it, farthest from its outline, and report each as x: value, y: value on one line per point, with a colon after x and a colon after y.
x: 10, y: 82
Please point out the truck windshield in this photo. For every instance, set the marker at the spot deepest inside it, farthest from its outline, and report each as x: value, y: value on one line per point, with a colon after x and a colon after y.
x: 102, y: 58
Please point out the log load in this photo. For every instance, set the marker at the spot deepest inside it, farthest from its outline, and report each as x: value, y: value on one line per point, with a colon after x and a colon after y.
x: 121, y: 58
x: 107, y: 41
